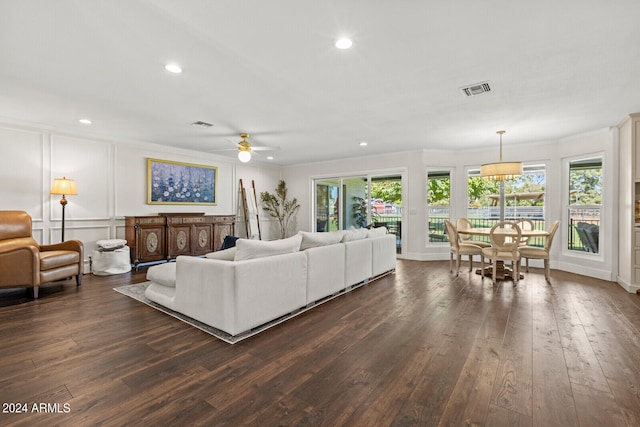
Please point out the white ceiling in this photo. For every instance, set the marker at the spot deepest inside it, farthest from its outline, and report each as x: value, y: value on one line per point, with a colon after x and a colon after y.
x: 269, y: 68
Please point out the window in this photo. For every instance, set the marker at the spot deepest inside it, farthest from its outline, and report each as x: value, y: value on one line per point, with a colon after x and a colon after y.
x: 585, y: 204
x: 438, y: 204
x: 524, y: 198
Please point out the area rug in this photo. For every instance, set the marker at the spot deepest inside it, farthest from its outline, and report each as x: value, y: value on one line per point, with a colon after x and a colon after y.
x: 137, y: 292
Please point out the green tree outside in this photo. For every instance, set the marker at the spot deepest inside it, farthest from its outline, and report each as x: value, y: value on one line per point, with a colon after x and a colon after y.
x: 389, y: 191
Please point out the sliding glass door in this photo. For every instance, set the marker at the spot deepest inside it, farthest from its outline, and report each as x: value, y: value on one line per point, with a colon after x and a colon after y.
x: 355, y: 193
x: 359, y: 201
x: 326, y: 209
x: 386, y: 205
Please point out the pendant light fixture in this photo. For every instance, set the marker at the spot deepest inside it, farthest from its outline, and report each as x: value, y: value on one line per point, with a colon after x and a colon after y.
x: 502, y: 170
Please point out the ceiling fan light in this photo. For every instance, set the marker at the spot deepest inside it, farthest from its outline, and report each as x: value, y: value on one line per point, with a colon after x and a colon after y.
x: 244, y: 156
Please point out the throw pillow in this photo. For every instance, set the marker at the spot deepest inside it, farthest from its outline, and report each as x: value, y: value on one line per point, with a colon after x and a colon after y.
x: 354, y: 234
x: 250, y: 249
x: 229, y: 242
x: 224, y: 255
x: 312, y: 240
x: 378, y: 231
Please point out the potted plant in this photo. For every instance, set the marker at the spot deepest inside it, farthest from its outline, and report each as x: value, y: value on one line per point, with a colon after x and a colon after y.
x: 279, y: 207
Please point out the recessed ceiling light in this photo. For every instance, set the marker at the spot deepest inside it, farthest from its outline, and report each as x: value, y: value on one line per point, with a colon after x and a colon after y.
x: 344, y: 43
x: 85, y: 121
x: 364, y: 144
x: 270, y: 157
x: 173, y: 68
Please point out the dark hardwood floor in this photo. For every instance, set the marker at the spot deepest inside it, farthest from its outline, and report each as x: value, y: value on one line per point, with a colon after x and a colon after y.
x: 420, y: 347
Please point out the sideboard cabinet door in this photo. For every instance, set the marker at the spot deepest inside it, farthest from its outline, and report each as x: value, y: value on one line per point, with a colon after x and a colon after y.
x: 146, y: 238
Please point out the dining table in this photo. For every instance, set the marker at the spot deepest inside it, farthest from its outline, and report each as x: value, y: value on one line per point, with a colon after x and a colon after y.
x: 502, y: 272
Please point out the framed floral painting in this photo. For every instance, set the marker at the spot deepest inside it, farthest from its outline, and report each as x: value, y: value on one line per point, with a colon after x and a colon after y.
x: 177, y: 183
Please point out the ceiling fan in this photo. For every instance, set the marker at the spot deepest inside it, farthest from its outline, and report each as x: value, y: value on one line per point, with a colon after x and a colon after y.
x: 245, y: 148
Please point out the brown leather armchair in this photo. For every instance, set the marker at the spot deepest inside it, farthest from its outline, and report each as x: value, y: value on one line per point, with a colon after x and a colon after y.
x: 24, y: 263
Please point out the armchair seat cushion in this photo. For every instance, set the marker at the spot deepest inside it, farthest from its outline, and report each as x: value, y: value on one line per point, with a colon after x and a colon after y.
x: 55, y: 259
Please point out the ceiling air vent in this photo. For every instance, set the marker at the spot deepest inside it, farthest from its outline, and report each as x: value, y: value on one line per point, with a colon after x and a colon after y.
x: 476, y: 89
x: 202, y: 124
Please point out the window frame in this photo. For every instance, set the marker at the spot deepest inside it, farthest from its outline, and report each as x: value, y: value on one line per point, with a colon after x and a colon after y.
x: 452, y: 193
x: 566, y: 204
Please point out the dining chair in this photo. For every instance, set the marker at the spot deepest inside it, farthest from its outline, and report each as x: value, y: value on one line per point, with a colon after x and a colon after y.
x: 525, y: 225
x: 504, y: 247
x: 531, y: 252
x: 459, y: 248
x: 463, y: 224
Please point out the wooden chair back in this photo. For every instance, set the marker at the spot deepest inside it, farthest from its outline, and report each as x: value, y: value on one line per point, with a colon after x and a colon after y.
x: 503, y: 242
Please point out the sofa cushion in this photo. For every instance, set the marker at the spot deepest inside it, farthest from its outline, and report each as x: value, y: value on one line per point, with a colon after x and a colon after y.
x: 223, y: 255
x: 354, y: 234
x: 312, y: 240
x: 251, y: 249
x: 163, y: 274
x: 378, y: 231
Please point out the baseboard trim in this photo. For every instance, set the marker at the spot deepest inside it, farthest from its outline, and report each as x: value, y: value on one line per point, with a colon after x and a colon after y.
x: 629, y: 287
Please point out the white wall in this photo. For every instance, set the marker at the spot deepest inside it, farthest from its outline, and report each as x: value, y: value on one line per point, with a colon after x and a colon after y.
x: 111, y: 178
x: 264, y: 179
x: 414, y: 167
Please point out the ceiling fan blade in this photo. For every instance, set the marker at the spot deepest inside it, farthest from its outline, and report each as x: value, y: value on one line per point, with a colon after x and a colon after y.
x: 255, y: 134
x: 254, y: 148
x: 215, y: 150
x: 233, y: 143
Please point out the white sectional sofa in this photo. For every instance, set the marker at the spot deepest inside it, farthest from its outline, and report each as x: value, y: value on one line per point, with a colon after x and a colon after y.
x: 238, y: 289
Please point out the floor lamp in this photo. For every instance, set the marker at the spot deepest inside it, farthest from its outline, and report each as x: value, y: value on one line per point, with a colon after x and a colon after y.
x: 501, y: 171
x: 64, y: 186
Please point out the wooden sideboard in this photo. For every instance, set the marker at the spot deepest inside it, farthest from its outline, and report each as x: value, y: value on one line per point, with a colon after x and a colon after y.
x: 167, y: 235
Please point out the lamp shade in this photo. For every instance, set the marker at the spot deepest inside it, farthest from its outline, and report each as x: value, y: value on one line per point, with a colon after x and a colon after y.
x: 501, y: 171
x: 64, y: 186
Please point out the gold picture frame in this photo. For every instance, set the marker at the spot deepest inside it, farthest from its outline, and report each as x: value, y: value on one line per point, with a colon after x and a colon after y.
x: 179, y: 183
